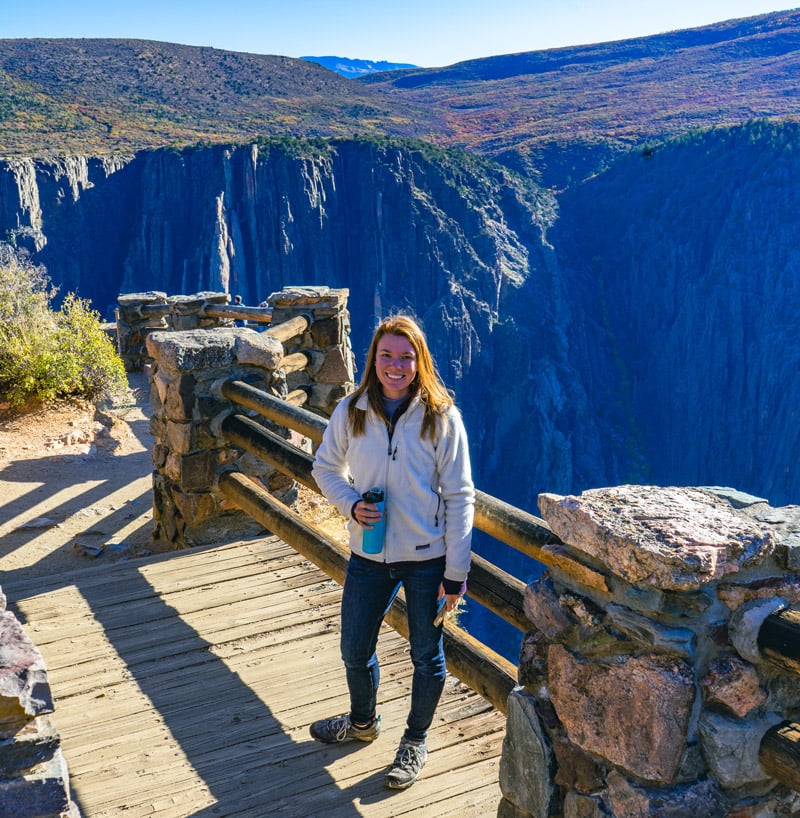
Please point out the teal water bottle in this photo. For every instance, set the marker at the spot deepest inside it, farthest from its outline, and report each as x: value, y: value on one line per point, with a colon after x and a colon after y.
x: 372, y: 538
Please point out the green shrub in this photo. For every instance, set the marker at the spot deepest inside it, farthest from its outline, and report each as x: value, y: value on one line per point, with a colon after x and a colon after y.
x: 92, y: 368
x: 47, y: 354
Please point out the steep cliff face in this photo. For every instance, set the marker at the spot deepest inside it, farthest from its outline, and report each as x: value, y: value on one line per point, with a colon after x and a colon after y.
x: 458, y: 240
x: 72, y: 215
x: 643, y: 331
x: 685, y: 264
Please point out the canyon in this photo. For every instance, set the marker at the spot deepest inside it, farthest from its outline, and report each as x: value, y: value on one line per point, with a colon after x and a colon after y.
x: 611, y: 290
x: 637, y: 328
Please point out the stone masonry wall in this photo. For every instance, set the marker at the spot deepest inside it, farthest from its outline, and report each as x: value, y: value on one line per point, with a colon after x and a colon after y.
x: 34, y: 782
x: 188, y: 370
x: 641, y: 688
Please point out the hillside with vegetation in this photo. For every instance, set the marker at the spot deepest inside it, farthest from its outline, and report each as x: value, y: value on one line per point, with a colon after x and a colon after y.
x: 558, y: 115
x: 48, y: 354
x: 566, y: 113
x: 95, y: 97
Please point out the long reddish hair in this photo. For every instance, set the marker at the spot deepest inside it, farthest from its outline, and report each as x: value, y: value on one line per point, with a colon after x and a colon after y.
x: 427, y: 384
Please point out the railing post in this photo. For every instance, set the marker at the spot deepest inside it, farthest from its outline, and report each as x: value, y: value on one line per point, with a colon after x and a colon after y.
x: 330, y: 373
x: 188, y: 367
x: 134, y: 325
x: 139, y: 314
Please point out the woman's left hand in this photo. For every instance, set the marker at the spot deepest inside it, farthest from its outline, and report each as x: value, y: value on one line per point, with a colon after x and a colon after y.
x: 451, y: 600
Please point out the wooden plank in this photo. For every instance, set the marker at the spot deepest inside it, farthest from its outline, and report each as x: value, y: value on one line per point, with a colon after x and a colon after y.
x: 175, y: 563
x: 185, y: 687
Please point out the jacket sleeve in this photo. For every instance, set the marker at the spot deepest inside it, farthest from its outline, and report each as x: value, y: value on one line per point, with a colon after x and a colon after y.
x: 458, y: 495
x: 330, y: 469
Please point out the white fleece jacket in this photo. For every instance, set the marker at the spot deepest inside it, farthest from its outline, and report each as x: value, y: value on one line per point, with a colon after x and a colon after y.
x: 427, y: 484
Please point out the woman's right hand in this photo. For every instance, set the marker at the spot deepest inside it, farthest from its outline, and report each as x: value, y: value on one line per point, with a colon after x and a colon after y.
x: 366, y: 514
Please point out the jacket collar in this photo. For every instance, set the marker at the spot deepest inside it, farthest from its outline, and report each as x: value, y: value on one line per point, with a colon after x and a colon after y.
x: 363, y: 402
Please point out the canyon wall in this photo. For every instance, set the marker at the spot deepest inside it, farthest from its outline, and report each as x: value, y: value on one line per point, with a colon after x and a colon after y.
x: 640, y: 327
x: 686, y: 259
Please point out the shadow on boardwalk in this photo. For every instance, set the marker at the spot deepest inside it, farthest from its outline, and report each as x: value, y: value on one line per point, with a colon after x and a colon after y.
x: 185, y: 684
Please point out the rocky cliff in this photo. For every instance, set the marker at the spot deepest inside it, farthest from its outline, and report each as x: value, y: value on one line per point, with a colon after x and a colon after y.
x: 459, y: 240
x: 684, y: 261
x: 640, y: 328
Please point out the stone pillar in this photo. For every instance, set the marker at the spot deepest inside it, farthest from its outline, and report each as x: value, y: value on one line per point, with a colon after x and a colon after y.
x: 330, y: 374
x: 641, y: 691
x: 34, y: 782
x: 133, y: 326
x: 189, y: 368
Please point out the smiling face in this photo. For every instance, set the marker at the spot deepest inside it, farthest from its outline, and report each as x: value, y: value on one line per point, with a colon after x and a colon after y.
x: 395, y: 365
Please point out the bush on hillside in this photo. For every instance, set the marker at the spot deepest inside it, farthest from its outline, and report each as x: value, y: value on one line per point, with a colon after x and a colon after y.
x: 47, y: 354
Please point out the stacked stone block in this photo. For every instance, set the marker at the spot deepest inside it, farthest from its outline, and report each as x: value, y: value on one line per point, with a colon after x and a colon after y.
x: 330, y: 373
x: 188, y: 370
x: 642, y: 690
x: 139, y: 314
x: 34, y: 782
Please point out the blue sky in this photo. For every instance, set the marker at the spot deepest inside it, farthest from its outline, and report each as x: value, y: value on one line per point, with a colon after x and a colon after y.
x: 423, y: 32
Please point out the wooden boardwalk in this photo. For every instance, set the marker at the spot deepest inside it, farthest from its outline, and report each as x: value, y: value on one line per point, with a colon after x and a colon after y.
x: 185, y: 683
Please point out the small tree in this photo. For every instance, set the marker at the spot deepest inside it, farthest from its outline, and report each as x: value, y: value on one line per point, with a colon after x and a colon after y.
x: 46, y: 354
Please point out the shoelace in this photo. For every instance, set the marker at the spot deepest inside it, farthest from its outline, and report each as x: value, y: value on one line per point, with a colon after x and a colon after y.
x: 408, y: 754
x: 340, y: 726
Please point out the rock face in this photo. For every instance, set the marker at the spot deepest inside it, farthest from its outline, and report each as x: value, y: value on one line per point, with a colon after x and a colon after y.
x: 34, y: 781
x: 593, y: 702
x: 605, y: 336
x: 680, y: 255
x: 673, y: 539
x: 457, y: 240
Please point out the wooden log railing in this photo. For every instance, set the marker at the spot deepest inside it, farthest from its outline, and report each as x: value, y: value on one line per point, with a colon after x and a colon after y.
x: 275, y: 409
x: 779, y: 753
x: 779, y: 639
x: 289, y: 329
x: 484, y: 670
x: 474, y: 663
x: 779, y: 643
x: 238, y: 312
x: 497, y: 590
x: 204, y: 309
x: 489, y: 674
x: 515, y: 527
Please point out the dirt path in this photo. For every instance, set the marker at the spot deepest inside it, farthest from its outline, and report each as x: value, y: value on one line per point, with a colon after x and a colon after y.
x: 75, y: 485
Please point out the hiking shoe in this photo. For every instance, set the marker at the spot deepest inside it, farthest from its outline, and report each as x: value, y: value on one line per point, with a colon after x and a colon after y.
x: 340, y: 728
x: 407, y: 765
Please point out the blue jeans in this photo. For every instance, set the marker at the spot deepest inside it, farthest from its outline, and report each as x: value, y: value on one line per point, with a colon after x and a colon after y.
x: 369, y: 590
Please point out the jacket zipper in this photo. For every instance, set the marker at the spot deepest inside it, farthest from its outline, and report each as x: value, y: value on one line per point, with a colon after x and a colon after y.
x: 390, y: 456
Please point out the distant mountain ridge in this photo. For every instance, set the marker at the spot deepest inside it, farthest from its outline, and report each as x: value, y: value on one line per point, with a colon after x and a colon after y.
x: 99, y: 97
x: 563, y: 114
x: 357, y: 68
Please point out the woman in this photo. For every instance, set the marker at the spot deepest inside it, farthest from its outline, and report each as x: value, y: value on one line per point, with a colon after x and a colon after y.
x: 399, y: 431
